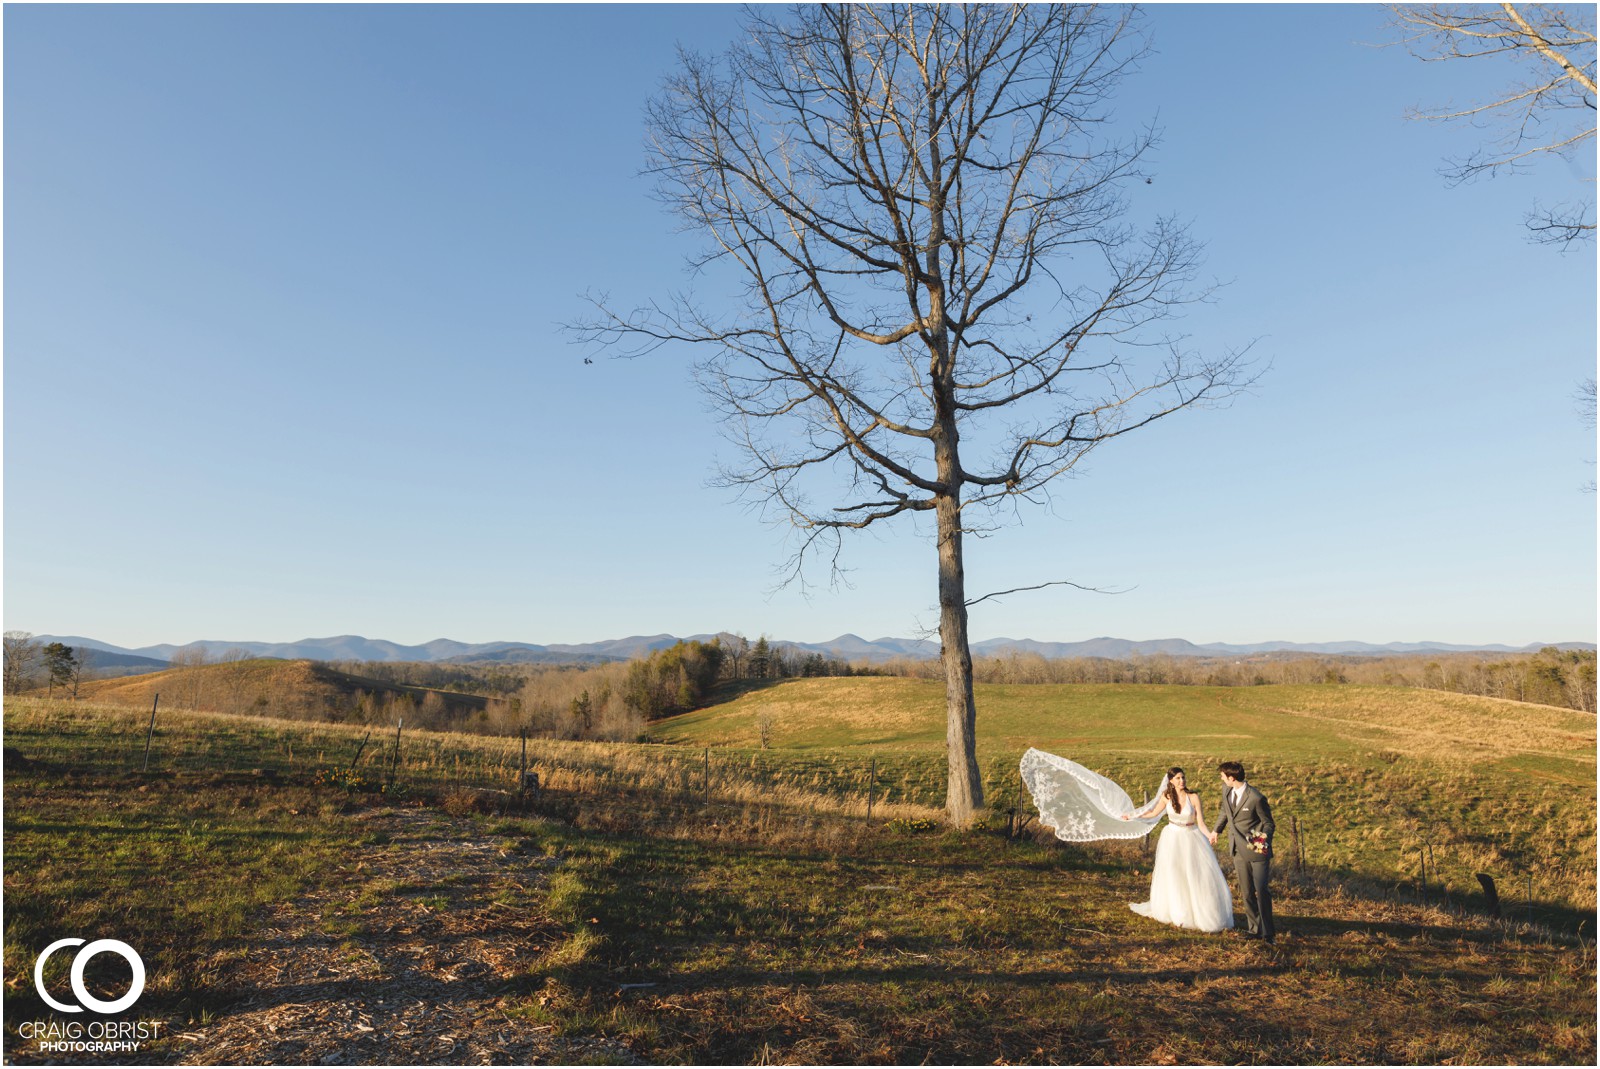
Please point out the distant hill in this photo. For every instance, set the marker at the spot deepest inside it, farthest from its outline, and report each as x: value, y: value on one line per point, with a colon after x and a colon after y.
x: 846, y: 647
x: 104, y: 660
x: 1120, y: 648
x: 291, y: 688
x: 1110, y: 648
x: 525, y: 655
x: 338, y: 648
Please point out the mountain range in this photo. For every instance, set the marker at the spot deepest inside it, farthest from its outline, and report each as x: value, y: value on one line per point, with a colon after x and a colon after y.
x: 845, y: 647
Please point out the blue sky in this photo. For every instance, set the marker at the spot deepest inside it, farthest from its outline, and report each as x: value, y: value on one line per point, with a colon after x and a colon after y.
x: 283, y: 288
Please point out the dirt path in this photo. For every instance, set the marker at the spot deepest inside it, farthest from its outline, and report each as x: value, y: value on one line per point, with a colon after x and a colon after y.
x: 404, y: 962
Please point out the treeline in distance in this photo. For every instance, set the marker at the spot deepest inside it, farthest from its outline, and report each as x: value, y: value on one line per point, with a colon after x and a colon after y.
x: 616, y: 701
x: 1550, y: 677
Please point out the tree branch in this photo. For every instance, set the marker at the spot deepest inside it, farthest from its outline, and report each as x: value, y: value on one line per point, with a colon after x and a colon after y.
x: 1041, y: 586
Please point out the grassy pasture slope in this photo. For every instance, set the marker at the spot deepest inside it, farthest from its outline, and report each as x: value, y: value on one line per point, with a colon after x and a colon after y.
x: 767, y: 921
x: 1372, y: 773
x: 302, y: 688
x: 1283, y: 723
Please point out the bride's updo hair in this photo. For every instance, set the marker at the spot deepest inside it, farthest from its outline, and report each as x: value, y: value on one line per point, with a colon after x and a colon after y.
x: 1172, y: 789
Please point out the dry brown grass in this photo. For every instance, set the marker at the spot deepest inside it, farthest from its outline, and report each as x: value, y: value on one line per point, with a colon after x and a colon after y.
x: 1442, y: 726
x: 859, y: 710
x: 443, y: 760
x: 301, y: 690
x: 1305, y: 722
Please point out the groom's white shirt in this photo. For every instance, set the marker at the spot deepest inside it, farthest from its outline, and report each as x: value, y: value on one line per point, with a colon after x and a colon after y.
x: 1238, y: 792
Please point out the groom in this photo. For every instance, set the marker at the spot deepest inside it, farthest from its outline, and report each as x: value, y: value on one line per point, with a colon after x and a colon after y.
x: 1248, y: 820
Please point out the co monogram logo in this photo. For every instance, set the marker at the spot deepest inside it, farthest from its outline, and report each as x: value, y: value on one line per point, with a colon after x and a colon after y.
x: 99, y: 946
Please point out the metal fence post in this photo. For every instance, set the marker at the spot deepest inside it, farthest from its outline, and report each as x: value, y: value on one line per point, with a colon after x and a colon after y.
x: 151, y: 733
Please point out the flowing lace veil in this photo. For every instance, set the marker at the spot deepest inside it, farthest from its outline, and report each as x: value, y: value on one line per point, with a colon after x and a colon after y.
x: 1079, y: 804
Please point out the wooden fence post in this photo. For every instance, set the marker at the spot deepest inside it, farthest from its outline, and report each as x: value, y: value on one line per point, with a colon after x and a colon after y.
x: 151, y: 733
x: 1294, y: 834
x: 872, y: 786
x: 527, y: 782
x: 394, y: 766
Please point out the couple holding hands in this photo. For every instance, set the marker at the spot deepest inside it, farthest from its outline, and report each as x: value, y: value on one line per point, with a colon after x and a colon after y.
x: 1187, y: 887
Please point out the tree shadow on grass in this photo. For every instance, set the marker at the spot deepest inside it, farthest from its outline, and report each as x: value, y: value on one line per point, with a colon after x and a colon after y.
x: 741, y: 976
x: 1561, y: 921
x: 950, y: 1014
x: 732, y: 690
x: 665, y: 904
x: 1307, y: 925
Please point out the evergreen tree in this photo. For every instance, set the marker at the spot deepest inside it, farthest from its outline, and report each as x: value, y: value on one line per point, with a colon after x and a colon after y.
x: 583, y: 712
x: 760, y: 659
x: 60, y: 663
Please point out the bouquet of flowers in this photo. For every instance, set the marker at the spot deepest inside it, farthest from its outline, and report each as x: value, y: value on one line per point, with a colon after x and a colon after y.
x: 1258, y: 843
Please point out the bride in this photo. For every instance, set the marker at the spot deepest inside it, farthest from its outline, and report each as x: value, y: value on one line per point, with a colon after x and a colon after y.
x: 1187, y: 888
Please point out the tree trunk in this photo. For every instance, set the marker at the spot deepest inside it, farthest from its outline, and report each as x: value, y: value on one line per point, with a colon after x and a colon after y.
x: 964, y: 793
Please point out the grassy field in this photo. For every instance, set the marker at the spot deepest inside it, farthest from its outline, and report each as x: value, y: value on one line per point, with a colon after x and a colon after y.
x: 1291, y: 724
x: 704, y: 900
x: 1374, y: 775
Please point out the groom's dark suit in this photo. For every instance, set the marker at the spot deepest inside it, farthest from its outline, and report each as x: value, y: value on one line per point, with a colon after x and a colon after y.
x: 1250, y: 814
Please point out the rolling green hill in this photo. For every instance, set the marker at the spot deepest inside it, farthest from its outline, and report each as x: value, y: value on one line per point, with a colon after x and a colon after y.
x: 1302, y: 724
x: 1371, y: 776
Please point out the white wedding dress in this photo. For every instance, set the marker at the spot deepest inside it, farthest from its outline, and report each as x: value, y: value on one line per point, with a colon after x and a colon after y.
x: 1187, y: 887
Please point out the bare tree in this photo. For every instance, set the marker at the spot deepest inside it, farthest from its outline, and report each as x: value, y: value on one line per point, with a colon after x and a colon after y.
x: 1549, y: 110
x: 941, y: 307
x: 83, y: 660
x: 23, y: 655
x: 235, y: 676
x: 738, y: 647
x: 191, y: 656
x: 191, y: 659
